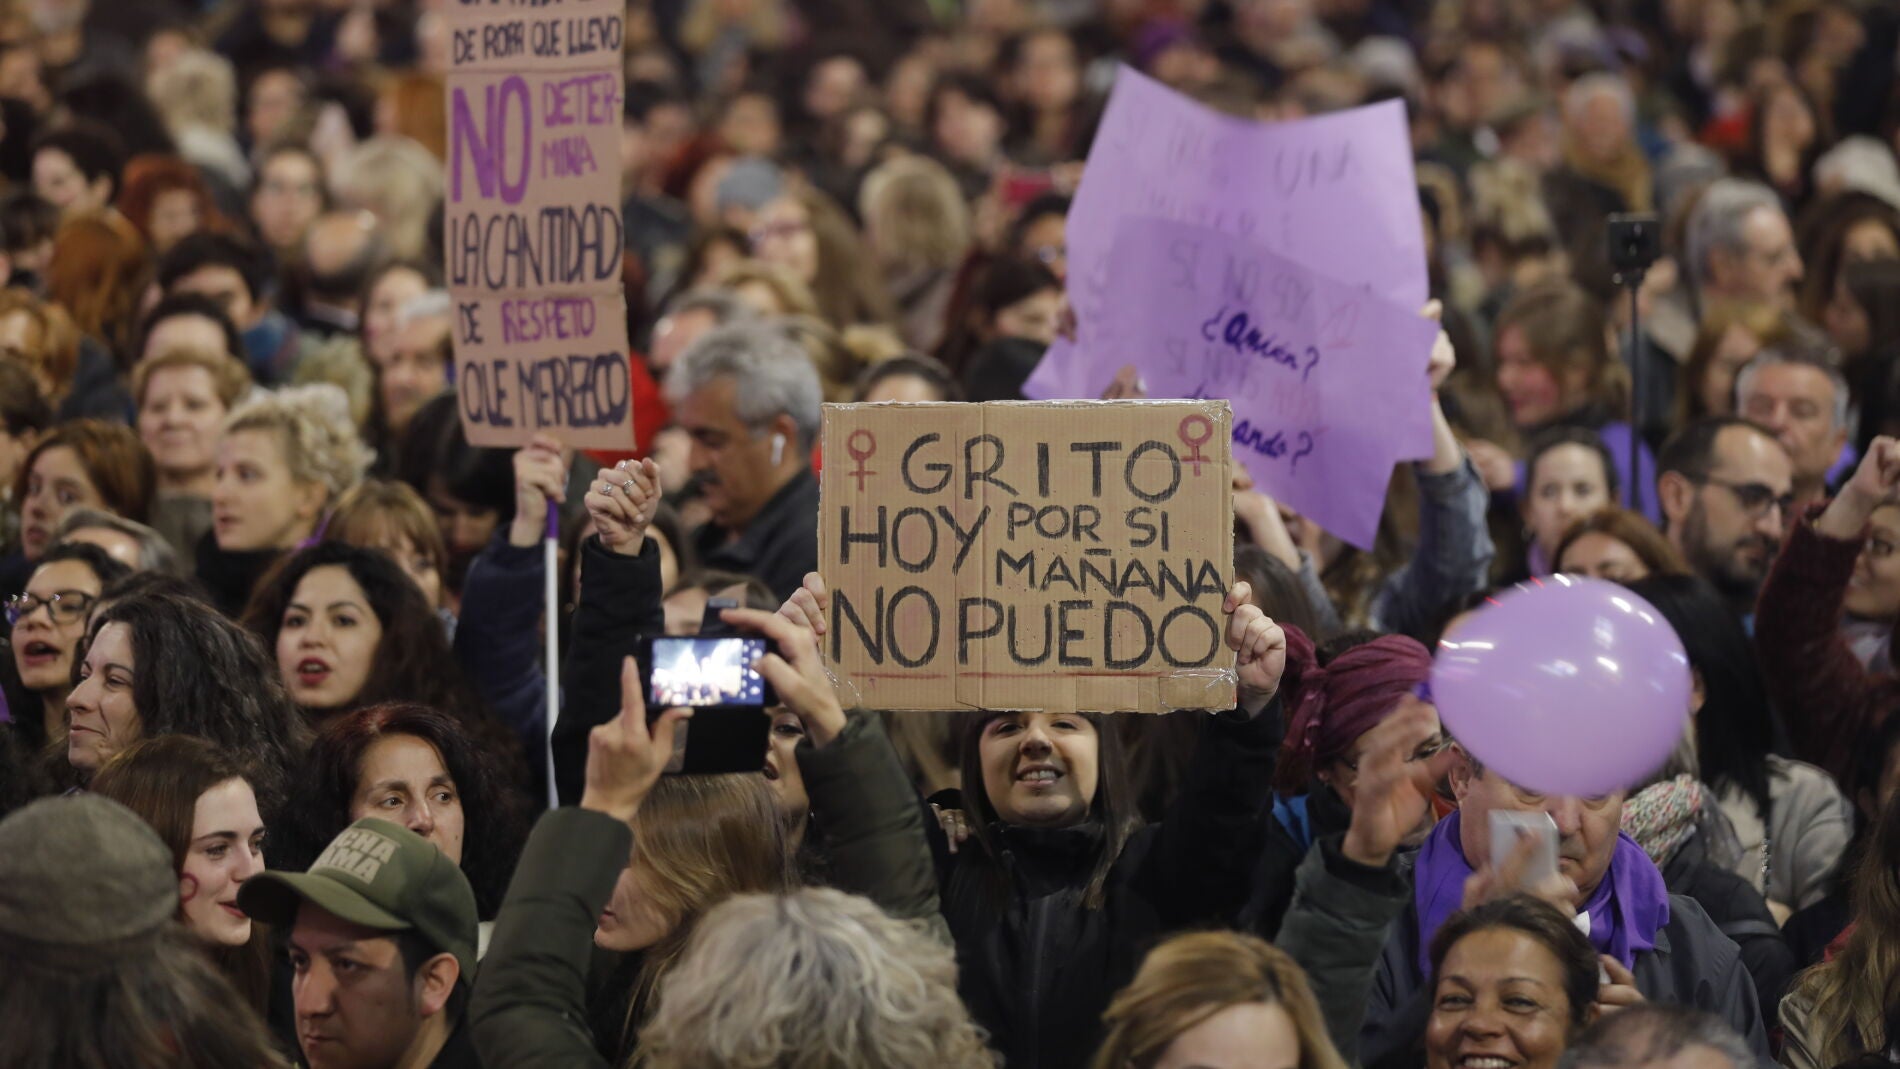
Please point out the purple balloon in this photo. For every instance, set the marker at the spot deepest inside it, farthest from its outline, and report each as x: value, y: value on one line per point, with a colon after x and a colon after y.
x: 1565, y: 685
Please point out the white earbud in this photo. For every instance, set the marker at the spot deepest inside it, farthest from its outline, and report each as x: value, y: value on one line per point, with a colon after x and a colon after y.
x: 778, y: 449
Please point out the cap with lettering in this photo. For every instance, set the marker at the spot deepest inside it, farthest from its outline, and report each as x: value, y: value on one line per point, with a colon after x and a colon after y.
x: 377, y: 875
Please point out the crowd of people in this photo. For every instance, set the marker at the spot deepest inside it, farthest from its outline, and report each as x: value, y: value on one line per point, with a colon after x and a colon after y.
x: 280, y: 779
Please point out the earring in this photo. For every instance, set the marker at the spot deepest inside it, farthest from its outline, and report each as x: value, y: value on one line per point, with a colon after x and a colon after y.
x: 778, y: 449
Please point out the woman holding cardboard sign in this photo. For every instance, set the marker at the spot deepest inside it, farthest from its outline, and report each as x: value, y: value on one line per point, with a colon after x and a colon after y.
x: 1060, y: 886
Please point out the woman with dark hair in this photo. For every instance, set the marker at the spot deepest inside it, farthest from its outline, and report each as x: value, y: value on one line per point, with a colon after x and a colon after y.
x: 1787, y: 133
x: 1568, y: 474
x: 198, y: 798
x: 910, y: 377
x: 1789, y: 817
x: 471, y: 489
x: 1060, y: 883
x: 414, y: 766
x: 1864, y: 320
x: 1513, y: 980
x: 998, y: 298
x: 47, y: 621
x: 1042, y: 83
x: 165, y: 665
x: 350, y: 629
x: 387, y: 289
x: 1846, y: 228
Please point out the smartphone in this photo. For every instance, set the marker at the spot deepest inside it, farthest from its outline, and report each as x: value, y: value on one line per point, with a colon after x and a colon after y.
x: 705, y: 672
x: 717, y: 677
x: 1510, y: 827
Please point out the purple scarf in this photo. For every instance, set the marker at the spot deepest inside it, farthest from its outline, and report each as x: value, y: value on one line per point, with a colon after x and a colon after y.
x: 1626, y: 910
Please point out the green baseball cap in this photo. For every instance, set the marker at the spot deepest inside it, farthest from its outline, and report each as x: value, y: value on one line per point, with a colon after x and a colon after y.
x: 378, y: 875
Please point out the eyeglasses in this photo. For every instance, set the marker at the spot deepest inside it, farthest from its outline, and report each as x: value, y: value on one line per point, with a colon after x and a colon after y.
x: 1427, y: 750
x: 1755, y: 498
x: 65, y: 607
x: 771, y: 231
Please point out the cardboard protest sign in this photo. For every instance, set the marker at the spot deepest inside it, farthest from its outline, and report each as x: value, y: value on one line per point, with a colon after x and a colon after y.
x: 1061, y: 556
x: 533, y: 229
x: 1328, y: 382
x: 1335, y: 193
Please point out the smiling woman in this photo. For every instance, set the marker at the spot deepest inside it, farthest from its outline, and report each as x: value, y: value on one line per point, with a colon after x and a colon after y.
x: 1060, y: 883
x: 160, y: 664
x: 48, y: 619
x: 199, y: 800
x: 1514, y: 981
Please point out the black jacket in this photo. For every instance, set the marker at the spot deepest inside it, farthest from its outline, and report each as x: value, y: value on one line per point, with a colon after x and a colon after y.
x: 1038, y: 969
x: 230, y: 576
x: 1739, y: 911
x: 619, y: 602
x: 780, y: 544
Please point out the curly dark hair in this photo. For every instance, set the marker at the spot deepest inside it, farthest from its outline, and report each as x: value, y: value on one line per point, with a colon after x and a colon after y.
x: 200, y: 674
x: 413, y: 660
x: 494, y: 810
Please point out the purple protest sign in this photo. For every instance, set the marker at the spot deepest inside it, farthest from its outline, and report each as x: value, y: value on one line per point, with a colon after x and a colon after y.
x: 1336, y: 193
x: 532, y: 227
x: 1328, y: 382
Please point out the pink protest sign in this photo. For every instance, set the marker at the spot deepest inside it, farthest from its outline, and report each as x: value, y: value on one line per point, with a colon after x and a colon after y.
x: 1328, y: 382
x: 533, y: 229
x: 1335, y: 193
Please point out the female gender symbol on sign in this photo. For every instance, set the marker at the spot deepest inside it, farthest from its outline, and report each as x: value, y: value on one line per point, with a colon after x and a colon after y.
x: 860, y: 452
x: 1194, y: 441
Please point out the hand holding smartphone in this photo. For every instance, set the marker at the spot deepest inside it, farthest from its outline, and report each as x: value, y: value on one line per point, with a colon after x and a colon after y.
x: 1524, y: 850
x: 715, y: 673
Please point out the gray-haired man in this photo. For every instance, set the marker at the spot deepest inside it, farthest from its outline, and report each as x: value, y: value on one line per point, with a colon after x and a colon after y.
x: 749, y: 398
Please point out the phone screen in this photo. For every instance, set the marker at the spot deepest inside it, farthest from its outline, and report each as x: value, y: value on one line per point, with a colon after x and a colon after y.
x: 701, y: 672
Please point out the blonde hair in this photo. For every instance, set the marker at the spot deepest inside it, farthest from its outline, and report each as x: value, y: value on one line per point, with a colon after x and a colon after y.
x: 915, y: 214
x: 198, y: 89
x: 1189, y: 979
x: 313, y: 427
x: 816, y: 979
x: 229, y: 378
x: 793, y: 296
x: 701, y: 840
x: 398, y: 181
